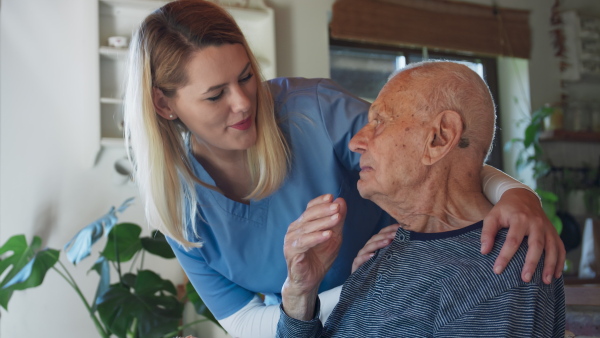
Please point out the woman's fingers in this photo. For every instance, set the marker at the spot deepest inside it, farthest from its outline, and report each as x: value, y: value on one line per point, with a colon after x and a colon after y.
x: 360, y: 260
x: 378, y: 241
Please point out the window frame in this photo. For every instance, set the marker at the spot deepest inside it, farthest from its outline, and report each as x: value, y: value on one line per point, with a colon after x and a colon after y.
x: 490, y: 66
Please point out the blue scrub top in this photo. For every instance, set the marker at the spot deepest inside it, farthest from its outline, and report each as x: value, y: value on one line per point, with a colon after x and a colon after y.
x: 243, y: 244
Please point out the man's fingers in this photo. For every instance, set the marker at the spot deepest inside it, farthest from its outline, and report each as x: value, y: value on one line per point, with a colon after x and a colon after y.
x: 510, y: 246
x: 534, y: 252
x: 299, y: 244
x: 327, y: 198
x: 316, y: 217
x: 491, y: 225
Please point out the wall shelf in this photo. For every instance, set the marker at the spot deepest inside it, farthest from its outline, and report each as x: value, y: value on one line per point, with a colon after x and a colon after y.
x: 114, y: 53
x: 122, y: 17
x: 111, y: 100
x: 112, y: 142
x: 570, y: 136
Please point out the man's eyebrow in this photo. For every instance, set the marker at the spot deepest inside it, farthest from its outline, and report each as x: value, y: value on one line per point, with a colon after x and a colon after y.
x: 374, y: 110
x: 225, y: 84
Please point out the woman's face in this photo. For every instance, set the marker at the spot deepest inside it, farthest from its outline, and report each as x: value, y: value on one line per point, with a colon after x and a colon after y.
x: 218, y: 104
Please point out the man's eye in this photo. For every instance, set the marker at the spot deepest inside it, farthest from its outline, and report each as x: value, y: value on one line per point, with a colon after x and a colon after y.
x: 215, y: 98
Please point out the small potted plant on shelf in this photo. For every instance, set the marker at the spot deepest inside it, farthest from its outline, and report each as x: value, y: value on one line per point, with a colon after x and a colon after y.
x: 139, y: 304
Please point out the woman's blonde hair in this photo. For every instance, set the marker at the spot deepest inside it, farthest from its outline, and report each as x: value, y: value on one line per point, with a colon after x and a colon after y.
x: 157, y: 147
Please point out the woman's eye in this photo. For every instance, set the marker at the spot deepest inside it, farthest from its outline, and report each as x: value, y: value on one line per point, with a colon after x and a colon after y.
x: 247, y: 77
x: 215, y: 98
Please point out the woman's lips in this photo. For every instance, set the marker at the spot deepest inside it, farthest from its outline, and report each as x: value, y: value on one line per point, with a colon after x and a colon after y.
x: 244, y: 124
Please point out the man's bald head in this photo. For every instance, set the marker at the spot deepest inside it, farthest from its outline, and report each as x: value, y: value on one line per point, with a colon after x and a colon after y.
x: 441, y: 85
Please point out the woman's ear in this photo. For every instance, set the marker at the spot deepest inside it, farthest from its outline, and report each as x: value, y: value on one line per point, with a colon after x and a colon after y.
x: 444, y: 135
x: 161, y: 104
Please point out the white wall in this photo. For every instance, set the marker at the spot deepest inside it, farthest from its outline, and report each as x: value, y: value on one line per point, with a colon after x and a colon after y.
x: 47, y: 89
x: 48, y: 67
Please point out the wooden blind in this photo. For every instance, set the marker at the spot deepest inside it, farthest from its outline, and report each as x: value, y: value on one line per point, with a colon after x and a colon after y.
x: 439, y: 24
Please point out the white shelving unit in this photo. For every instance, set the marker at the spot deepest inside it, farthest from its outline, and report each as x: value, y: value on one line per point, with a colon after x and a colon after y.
x: 122, y: 17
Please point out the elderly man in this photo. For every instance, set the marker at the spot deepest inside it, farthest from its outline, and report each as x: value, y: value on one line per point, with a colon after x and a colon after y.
x: 429, y: 132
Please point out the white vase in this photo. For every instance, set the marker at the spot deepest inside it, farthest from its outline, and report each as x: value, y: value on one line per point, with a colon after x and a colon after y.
x: 589, y: 265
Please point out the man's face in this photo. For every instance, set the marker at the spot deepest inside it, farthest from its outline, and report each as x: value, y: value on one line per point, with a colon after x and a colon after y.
x: 392, y: 143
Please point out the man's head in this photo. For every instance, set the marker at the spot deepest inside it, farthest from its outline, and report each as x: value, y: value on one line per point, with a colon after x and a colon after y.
x: 429, y: 119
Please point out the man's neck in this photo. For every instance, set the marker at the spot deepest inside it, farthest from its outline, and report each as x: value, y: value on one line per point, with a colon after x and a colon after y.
x: 439, y: 204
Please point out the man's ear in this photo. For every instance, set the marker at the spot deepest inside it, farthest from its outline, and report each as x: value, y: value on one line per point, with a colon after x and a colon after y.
x: 445, y: 133
x: 161, y: 104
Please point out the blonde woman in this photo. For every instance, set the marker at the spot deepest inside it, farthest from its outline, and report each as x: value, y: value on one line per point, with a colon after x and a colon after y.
x: 225, y: 162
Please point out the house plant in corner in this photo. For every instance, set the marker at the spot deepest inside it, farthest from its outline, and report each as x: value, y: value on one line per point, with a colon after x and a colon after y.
x: 139, y: 304
x: 530, y: 154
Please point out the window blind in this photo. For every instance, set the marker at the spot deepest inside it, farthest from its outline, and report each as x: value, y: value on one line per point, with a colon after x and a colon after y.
x: 440, y: 24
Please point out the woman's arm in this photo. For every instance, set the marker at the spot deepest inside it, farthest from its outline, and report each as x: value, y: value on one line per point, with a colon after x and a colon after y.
x: 519, y: 210
x: 257, y: 320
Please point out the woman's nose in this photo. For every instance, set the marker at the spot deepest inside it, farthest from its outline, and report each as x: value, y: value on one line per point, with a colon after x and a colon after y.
x: 241, y: 100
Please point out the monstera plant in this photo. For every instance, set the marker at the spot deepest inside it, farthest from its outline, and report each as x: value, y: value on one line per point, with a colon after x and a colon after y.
x: 139, y: 304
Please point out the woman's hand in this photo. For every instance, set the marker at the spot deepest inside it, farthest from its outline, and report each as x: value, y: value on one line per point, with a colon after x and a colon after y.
x: 310, y: 247
x: 378, y: 241
x: 520, y: 211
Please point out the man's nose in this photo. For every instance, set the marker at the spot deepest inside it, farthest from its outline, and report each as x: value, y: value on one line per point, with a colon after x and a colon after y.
x: 358, y: 143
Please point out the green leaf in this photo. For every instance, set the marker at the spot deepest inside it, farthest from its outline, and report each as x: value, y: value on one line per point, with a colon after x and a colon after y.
x: 521, y: 163
x: 531, y: 134
x: 80, y: 246
x: 149, y: 283
x: 33, y: 273
x: 123, y: 242
x: 151, y: 305
x: 129, y: 279
x: 157, y: 244
x: 557, y: 223
x: 547, y: 196
x: 115, y: 308
x: 21, y: 255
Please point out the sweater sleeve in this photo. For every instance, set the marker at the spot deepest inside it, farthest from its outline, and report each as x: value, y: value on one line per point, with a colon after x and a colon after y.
x: 495, y: 183
x: 257, y: 320
x: 289, y: 327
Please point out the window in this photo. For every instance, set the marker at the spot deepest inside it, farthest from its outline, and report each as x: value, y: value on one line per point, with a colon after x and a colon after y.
x: 363, y: 69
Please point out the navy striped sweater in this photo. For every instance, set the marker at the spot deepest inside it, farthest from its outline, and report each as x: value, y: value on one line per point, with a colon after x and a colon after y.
x: 440, y: 285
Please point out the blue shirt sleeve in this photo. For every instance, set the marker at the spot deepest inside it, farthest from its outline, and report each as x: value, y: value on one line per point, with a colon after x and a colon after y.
x: 343, y: 116
x: 222, y: 297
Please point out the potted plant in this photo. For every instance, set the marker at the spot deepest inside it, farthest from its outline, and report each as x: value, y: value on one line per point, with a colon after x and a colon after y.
x: 139, y: 304
x: 531, y: 154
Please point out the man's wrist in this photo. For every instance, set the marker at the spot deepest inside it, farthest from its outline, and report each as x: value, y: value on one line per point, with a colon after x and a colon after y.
x: 299, y: 304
